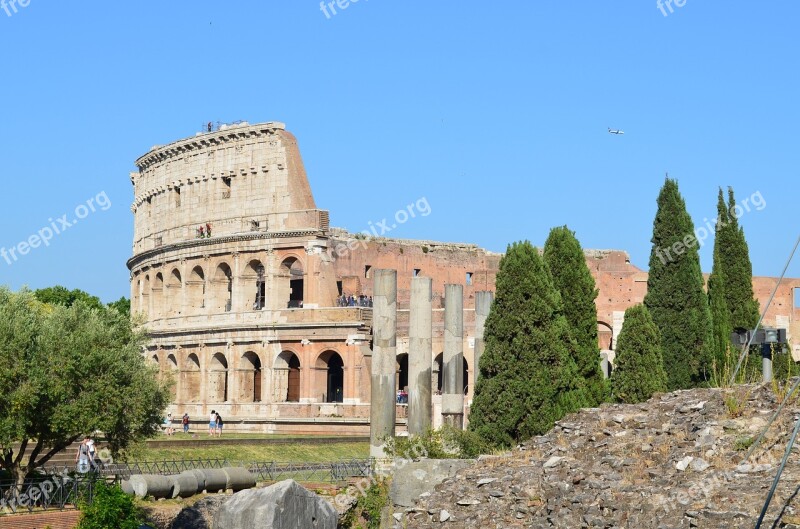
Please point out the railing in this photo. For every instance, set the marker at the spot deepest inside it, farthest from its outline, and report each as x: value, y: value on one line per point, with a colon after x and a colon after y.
x: 48, y: 493
x: 263, y: 471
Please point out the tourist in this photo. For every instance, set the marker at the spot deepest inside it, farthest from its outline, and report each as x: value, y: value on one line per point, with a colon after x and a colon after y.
x: 212, y: 424
x: 92, y: 453
x: 219, y: 425
x: 168, y: 429
x: 82, y: 457
x: 185, y: 422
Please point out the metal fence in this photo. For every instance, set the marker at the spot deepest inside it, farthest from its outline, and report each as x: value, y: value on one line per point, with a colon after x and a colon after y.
x: 48, y: 493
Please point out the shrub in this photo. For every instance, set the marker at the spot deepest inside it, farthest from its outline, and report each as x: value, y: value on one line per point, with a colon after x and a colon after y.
x: 111, y: 509
x: 444, y: 443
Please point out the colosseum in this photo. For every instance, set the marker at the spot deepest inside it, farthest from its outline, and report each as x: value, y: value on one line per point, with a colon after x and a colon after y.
x: 261, y: 311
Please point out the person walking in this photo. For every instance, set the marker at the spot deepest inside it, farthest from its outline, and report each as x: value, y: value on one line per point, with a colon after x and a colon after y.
x: 82, y: 457
x: 185, y: 422
x: 219, y: 425
x: 212, y: 423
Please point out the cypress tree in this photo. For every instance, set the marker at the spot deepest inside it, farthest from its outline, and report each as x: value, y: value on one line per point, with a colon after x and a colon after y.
x: 737, y: 269
x: 675, y: 296
x: 567, y: 264
x: 528, y: 379
x: 639, y: 366
x: 720, y: 315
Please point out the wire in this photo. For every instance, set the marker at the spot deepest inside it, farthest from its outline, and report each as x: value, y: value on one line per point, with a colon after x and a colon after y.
x: 778, y: 475
x: 774, y: 416
x: 746, y: 350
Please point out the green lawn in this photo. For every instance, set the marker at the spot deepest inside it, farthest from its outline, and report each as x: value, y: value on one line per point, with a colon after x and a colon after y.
x: 291, y: 453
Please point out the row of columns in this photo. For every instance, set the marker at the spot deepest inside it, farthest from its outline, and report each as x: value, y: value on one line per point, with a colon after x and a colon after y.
x: 383, y: 398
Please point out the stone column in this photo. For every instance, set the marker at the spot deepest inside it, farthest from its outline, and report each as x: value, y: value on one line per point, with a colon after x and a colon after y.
x: 483, y: 305
x: 453, y: 361
x: 420, y: 355
x: 384, y: 349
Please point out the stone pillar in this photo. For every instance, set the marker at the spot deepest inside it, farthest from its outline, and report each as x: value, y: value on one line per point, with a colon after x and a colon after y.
x: 483, y: 305
x: 453, y: 361
x: 420, y: 355
x: 604, y: 364
x: 384, y: 349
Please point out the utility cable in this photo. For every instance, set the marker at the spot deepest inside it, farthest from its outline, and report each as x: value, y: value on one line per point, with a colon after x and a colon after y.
x: 778, y: 475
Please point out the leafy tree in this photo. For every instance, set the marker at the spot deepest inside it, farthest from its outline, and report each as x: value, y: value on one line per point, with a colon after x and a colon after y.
x: 720, y: 315
x: 59, y: 295
x: 123, y: 305
x: 736, y: 268
x: 639, y: 367
x: 111, y: 509
x: 66, y: 372
x: 528, y: 379
x: 675, y: 296
x: 567, y: 264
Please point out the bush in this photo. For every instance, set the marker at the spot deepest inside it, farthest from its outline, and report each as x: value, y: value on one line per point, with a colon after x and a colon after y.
x: 111, y: 509
x: 366, y: 514
x: 444, y: 443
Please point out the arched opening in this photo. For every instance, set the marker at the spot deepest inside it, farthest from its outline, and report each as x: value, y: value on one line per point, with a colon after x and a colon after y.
x: 291, y: 277
x: 174, y: 287
x: 172, y: 364
x: 402, y: 372
x: 286, y: 377
x: 191, y: 379
x: 255, y: 284
x: 158, y: 297
x: 439, y: 372
x: 218, y: 379
x: 332, y: 366
x: 605, y: 336
x: 250, y: 382
x: 222, y: 285
x: 154, y: 360
x: 146, y: 287
x: 196, y: 288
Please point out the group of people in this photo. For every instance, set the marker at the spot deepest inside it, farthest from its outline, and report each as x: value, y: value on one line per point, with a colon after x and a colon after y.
x: 86, y: 458
x: 352, y: 301
x: 215, y: 424
x: 169, y: 430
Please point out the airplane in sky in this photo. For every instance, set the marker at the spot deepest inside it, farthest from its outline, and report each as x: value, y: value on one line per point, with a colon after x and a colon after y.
x: 617, y: 131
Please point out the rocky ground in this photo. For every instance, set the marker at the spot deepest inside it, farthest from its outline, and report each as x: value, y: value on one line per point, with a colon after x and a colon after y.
x: 676, y: 461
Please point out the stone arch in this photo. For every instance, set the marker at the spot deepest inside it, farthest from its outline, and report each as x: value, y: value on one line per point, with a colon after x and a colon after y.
x: 438, y: 373
x: 158, y: 297
x: 196, y: 288
x: 191, y: 379
x: 290, y: 282
x: 254, y: 284
x: 222, y: 288
x: 605, y: 336
x: 401, y: 370
x: 172, y: 366
x: 154, y: 360
x: 330, y: 377
x: 218, y: 379
x: 250, y: 378
x: 286, y: 377
x: 174, y: 294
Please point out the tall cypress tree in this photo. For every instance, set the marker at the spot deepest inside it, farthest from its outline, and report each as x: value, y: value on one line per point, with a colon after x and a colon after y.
x: 717, y: 300
x: 567, y: 264
x: 675, y: 296
x: 528, y: 379
x: 737, y: 270
x: 639, y: 366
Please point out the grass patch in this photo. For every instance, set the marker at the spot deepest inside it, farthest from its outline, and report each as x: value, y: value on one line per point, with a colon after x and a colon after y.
x: 289, y: 453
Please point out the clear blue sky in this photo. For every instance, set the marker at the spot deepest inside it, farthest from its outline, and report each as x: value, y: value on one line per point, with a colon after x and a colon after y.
x: 495, y: 112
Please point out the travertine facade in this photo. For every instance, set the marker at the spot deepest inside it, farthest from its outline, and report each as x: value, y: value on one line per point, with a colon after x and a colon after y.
x: 246, y: 317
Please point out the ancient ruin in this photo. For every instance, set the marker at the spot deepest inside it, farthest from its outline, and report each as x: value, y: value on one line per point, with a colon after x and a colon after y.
x: 263, y: 312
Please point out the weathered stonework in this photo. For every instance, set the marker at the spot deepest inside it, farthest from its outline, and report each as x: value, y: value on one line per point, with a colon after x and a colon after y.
x: 247, y: 320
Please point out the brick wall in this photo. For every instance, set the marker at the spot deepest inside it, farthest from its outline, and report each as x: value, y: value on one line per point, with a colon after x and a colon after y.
x: 55, y: 519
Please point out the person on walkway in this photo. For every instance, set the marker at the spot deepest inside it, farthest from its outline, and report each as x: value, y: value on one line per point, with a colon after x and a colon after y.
x: 212, y: 424
x: 82, y: 457
x: 185, y: 422
x: 219, y: 425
